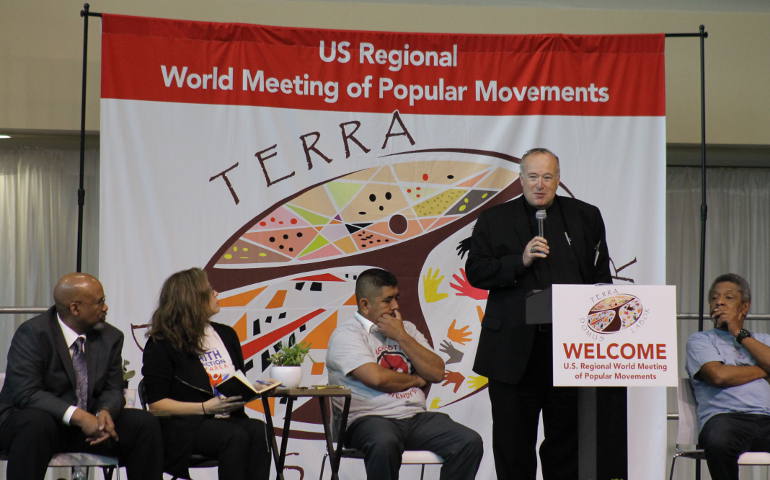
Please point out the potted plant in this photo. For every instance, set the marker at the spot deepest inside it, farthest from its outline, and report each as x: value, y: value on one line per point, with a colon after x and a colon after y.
x: 128, y: 394
x: 287, y: 364
x: 127, y: 374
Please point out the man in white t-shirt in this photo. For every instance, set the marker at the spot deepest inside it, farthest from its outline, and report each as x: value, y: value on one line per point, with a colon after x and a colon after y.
x: 386, y: 361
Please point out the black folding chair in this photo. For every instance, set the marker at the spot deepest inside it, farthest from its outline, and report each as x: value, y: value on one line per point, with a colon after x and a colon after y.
x: 196, y: 460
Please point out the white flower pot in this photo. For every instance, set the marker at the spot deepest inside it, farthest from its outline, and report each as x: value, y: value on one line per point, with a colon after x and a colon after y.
x: 288, y: 376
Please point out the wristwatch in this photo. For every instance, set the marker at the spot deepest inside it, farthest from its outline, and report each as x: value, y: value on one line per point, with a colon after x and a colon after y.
x: 742, y: 335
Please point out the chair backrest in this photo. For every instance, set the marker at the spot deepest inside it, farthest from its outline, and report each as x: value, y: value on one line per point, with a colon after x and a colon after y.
x: 687, y: 426
x: 140, y: 390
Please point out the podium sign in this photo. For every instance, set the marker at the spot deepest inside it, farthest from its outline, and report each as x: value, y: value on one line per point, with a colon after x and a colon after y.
x: 614, y: 336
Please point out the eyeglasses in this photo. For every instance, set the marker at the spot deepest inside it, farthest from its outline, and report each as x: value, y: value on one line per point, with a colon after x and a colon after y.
x: 102, y: 301
x: 534, y: 178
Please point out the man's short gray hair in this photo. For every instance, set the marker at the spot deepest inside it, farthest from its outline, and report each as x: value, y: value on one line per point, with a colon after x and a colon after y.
x: 535, y: 150
x: 743, y: 285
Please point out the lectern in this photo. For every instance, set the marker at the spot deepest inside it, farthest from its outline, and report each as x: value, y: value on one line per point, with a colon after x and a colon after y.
x: 602, y: 438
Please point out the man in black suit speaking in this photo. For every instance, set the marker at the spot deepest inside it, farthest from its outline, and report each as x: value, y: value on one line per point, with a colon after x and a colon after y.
x: 509, y: 258
x: 63, y: 389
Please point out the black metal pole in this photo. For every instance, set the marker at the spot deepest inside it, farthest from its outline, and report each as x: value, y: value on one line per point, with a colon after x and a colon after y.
x: 703, y: 185
x: 704, y: 204
x: 702, y: 34
x: 693, y: 35
x: 85, y: 13
x: 81, y: 190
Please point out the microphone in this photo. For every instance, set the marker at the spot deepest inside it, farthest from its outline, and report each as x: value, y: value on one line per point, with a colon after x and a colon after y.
x: 540, y: 216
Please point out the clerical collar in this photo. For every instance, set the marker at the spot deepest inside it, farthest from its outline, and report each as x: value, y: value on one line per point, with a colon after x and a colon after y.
x: 549, y: 209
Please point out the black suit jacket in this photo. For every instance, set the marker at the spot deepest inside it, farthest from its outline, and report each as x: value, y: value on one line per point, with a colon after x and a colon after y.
x: 40, y: 374
x: 170, y: 373
x: 495, y: 264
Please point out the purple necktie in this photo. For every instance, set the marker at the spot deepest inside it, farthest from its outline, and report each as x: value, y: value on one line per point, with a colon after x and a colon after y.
x: 81, y: 372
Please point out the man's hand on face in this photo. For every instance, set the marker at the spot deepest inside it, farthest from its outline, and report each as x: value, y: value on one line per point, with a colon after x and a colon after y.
x: 727, y: 320
x: 391, y: 325
x: 536, y: 248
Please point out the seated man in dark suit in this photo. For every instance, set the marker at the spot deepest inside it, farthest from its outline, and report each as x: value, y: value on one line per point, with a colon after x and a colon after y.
x: 63, y: 389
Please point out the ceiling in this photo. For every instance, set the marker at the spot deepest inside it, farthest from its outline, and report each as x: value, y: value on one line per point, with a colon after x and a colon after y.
x: 673, y: 5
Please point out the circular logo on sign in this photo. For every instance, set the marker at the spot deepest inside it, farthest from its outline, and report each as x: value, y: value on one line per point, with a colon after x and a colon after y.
x: 615, y: 313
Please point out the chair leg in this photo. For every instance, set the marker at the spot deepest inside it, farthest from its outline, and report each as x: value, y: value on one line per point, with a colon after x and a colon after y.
x: 673, y: 462
x: 107, y: 472
x: 422, y: 471
x: 323, y: 465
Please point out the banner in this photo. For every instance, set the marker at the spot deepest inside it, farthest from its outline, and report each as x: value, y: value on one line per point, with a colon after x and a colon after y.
x: 287, y: 160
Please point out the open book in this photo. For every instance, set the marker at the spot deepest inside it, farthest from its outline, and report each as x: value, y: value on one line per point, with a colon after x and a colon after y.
x: 239, y: 385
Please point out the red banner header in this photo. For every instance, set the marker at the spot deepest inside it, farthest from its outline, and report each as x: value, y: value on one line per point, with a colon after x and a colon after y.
x: 239, y: 64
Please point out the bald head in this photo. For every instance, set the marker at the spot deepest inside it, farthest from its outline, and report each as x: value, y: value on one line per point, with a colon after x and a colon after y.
x: 80, y: 302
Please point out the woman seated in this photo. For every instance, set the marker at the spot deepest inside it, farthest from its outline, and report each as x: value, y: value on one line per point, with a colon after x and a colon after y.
x: 186, y: 356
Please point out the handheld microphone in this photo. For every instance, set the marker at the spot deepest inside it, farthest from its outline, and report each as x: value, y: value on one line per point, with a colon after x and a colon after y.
x: 540, y: 216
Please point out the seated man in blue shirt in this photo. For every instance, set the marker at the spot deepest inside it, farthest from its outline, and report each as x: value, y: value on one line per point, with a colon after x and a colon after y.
x: 729, y: 367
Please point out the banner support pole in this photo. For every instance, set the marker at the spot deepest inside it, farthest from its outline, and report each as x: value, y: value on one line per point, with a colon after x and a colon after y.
x: 702, y: 35
x: 85, y: 13
x: 704, y: 205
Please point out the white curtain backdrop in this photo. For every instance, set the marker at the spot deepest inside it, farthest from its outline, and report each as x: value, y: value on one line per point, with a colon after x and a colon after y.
x: 38, y: 235
x: 737, y: 240
x: 38, y: 226
x: 737, y: 235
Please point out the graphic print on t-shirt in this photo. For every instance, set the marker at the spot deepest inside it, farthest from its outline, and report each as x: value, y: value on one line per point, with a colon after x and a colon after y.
x: 389, y: 357
x: 217, y: 366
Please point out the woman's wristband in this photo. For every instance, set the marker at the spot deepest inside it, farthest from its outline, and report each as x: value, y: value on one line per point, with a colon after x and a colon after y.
x: 203, y: 407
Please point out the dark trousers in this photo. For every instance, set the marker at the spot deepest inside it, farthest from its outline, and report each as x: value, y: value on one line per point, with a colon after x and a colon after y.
x: 383, y: 440
x: 515, y: 417
x: 32, y: 436
x: 238, y: 444
x: 726, y: 435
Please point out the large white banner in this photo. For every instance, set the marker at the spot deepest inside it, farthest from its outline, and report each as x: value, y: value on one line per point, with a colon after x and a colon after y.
x: 287, y: 160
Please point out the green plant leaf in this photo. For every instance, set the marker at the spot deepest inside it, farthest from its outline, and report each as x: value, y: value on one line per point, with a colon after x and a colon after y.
x: 290, y: 355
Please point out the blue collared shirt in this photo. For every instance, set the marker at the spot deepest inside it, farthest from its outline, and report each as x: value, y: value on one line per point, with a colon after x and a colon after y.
x: 717, y: 345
